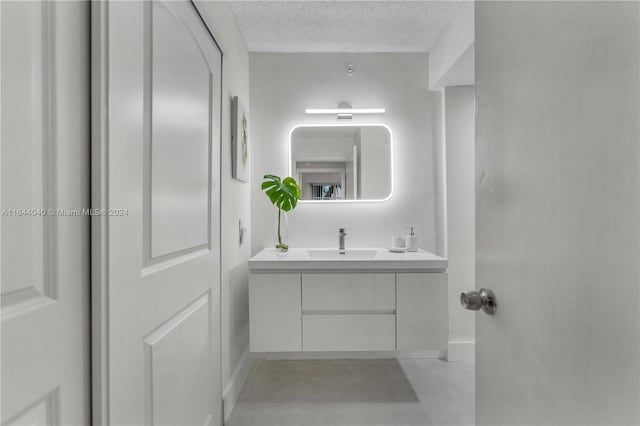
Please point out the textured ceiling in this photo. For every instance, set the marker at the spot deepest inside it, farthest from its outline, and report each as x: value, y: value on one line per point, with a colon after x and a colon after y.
x: 342, y: 26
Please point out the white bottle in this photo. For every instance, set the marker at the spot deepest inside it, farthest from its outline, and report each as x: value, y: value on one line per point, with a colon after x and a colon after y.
x: 412, y: 241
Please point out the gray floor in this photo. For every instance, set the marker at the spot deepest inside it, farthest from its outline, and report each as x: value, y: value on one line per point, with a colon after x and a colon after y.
x: 406, y: 392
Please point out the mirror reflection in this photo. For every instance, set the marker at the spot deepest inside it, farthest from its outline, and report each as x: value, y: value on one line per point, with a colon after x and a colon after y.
x: 342, y: 162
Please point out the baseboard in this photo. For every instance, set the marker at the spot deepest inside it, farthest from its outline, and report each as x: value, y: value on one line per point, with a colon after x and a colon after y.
x: 348, y: 355
x: 461, y: 351
x: 233, y: 388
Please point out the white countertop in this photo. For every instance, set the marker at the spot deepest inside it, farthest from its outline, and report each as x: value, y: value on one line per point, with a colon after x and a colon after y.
x: 271, y: 259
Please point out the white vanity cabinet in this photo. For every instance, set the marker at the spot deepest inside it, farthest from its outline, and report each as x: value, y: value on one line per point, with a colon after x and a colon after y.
x: 304, y: 308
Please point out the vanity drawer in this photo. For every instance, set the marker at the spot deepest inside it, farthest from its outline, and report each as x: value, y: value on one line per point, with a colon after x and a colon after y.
x: 349, y: 332
x: 348, y: 292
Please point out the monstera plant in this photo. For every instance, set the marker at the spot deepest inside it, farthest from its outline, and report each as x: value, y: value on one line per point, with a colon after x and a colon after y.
x: 284, y: 194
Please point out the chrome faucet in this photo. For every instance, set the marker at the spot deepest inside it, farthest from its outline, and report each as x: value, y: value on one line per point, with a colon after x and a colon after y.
x: 341, y: 235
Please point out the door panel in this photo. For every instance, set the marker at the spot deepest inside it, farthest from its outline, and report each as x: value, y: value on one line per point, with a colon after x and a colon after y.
x: 178, y: 366
x: 45, y: 251
x: 558, y: 216
x: 180, y: 139
x: 26, y: 133
x: 157, y: 127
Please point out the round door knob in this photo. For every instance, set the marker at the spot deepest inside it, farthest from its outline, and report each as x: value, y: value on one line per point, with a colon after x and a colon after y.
x: 482, y: 299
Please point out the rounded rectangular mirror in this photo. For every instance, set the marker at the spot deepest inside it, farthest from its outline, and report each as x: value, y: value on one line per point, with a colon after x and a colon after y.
x: 342, y: 162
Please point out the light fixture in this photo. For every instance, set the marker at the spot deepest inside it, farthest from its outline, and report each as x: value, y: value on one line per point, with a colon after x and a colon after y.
x: 344, y: 111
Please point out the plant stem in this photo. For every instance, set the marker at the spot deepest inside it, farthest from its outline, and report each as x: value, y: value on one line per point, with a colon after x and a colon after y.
x: 279, y: 237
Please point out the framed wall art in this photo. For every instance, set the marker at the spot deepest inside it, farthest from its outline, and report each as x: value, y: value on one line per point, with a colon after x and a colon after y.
x: 239, y: 141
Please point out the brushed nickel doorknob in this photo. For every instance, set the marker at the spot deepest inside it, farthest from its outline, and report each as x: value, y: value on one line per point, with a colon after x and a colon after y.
x: 482, y: 299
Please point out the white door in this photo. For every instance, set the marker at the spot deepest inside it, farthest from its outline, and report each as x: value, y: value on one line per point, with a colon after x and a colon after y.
x: 557, y: 91
x: 156, y: 144
x: 44, y: 260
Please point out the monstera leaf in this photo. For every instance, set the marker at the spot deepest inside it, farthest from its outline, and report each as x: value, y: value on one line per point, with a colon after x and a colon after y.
x: 283, y: 193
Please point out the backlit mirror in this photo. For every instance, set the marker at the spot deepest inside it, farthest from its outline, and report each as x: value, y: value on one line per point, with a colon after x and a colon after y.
x: 348, y: 162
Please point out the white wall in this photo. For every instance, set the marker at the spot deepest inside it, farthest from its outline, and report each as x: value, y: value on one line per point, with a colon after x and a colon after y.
x: 459, y: 114
x: 235, y: 203
x: 283, y: 85
x: 452, y: 57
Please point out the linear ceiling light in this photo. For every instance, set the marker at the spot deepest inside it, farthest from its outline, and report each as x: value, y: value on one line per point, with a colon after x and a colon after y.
x: 344, y: 110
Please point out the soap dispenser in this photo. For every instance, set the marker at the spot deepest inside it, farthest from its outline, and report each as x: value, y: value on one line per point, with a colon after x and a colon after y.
x: 412, y: 241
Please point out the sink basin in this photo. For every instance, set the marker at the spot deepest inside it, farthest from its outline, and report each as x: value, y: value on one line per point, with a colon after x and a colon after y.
x: 351, y: 254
